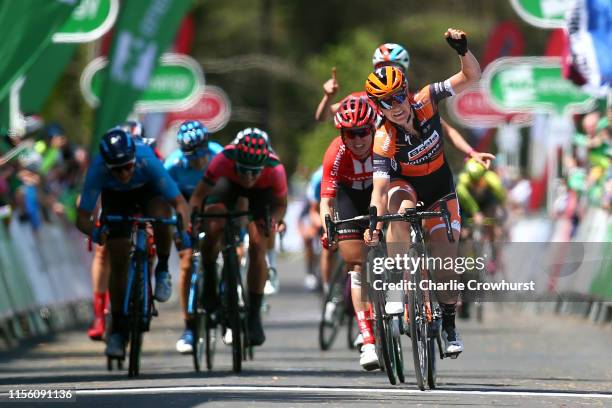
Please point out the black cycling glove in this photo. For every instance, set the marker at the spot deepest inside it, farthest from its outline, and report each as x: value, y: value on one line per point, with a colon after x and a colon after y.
x: 459, y: 45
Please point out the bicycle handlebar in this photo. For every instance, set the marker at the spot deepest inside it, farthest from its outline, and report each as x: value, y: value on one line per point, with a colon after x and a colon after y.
x: 174, y: 220
x: 410, y: 215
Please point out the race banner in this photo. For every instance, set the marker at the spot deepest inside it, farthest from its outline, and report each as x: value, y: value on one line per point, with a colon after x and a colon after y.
x: 43, y: 75
x: 27, y: 28
x: 143, y: 31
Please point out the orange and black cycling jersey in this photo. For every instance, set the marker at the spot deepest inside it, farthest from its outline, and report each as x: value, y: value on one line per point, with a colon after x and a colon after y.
x: 398, y: 153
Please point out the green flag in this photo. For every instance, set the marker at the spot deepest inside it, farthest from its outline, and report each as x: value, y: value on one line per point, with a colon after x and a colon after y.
x: 44, y: 74
x: 143, y: 31
x: 27, y: 28
x: 5, y: 118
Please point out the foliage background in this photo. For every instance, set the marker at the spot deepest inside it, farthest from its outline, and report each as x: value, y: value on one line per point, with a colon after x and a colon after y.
x: 272, y: 57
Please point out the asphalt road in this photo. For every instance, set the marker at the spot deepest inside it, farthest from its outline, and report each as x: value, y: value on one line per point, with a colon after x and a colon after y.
x: 513, y: 358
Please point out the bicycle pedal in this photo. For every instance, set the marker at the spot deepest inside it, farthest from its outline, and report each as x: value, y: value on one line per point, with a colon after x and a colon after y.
x: 453, y: 356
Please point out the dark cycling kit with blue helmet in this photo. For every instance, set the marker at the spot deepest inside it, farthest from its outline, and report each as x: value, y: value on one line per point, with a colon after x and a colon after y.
x: 150, y: 179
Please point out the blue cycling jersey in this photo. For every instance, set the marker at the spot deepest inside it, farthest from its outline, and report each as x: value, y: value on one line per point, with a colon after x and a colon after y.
x: 148, y: 169
x: 185, y: 176
x: 314, y: 186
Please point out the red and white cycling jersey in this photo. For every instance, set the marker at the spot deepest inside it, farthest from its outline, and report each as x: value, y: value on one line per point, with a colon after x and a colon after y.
x: 341, y: 167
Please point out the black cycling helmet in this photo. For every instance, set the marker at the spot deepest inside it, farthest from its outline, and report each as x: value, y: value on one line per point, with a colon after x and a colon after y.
x: 252, y: 147
x: 117, y: 147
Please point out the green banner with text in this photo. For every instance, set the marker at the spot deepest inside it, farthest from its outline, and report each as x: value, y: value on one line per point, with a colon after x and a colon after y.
x: 27, y: 28
x: 143, y: 31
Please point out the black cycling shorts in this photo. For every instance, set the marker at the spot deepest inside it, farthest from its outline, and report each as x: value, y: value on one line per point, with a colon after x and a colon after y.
x: 432, y: 187
x: 127, y: 202
x: 351, y: 203
x: 228, y: 193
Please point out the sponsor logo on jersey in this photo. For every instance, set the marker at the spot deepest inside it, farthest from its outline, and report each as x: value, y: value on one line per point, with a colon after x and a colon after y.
x: 337, y: 160
x: 427, y: 146
x: 386, y: 142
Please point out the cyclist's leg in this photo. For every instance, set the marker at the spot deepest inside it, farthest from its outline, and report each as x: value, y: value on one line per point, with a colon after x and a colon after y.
x: 100, y: 271
x: 327, y: 265
x: 220, y: 201
x: 401, y: 197
x: 257, y: 272
x: 118, y: 246
x: 307, y: 233
x: 158, y: 207
x: 350, y: 203
x: 354, y: 254
x: 185, y: 342
x: 441, y: 248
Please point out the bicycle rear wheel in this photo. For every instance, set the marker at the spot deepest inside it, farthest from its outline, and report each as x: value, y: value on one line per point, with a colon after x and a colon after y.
x: 200, y: 329
x: 328, y: 328
x: 431, y: 363
x: 398, y: 354
x: 384, y: 338
x: 200, y: 341
x: 352, y: 332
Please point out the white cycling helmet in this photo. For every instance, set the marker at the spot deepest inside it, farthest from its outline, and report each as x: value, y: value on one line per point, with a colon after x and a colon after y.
x: 391, y: 52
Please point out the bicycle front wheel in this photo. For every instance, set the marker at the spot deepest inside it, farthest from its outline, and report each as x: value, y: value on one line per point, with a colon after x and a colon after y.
x: 231, y: 271
x: 332, y: 315
x: 418, y: 330
x: 136, y: 323
x: 384, y: 339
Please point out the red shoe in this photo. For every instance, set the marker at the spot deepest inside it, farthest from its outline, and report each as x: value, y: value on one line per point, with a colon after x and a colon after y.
x: 97, y: 328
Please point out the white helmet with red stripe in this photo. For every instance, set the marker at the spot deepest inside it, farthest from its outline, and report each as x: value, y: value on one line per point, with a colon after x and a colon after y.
x: 391, y: 53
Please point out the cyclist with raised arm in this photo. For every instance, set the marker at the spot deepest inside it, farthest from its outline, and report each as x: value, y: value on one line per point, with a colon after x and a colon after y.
x: 410, y: 166
x: 128, y: 177
x: 346, y: 189
x: 186, y: 165
x: 247, y: 169
x: 386, y: 55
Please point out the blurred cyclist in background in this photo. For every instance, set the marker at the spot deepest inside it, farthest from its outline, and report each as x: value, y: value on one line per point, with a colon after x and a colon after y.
x: 481, y: 197
x: 128, y: 178
x: 186, y: 166
x: 309, y: 225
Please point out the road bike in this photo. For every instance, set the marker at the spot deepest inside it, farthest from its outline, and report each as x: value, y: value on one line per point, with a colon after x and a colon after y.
x: 138, y: 305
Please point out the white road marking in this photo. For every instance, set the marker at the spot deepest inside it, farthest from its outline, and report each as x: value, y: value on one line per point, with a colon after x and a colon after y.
x: 330, y: 390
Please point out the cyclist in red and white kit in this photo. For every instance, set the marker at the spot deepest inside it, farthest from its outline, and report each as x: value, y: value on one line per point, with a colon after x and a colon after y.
x: 346, y: 188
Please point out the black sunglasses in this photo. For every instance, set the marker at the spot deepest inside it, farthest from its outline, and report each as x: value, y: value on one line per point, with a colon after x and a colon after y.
x: 361, y: 132
x: 248, y: 170
x: 124, y: 167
